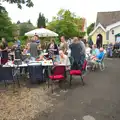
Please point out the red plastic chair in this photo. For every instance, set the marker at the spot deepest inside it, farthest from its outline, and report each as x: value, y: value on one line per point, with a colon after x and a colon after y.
x: 58, y: 74
x: 78, y: 72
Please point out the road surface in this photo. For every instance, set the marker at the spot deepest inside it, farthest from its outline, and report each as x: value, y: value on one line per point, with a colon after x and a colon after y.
x: 99, y: 99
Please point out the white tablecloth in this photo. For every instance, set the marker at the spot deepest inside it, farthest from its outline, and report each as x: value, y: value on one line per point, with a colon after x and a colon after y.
x: 33, y: 63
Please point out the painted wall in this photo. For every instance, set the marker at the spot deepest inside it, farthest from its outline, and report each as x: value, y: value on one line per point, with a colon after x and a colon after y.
x: 99, y: 31
x: 112, y: 36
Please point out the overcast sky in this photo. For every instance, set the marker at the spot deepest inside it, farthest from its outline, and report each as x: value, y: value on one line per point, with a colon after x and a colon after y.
x: 82, y: 8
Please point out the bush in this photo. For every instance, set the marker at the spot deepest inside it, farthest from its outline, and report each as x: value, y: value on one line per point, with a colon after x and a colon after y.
x: 10, y: 44
x: 57, y: 41
x: 23, y: 39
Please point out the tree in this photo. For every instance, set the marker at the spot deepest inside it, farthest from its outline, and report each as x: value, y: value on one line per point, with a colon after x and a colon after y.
x: 90, y: 28
x: 29, y: 22
x: 41, y: 22
x: 2, y: 9
x: 25, y: 27
x: 18, y: 22
x: 7, y: 29
x: 19, y: 3
x: 66, y: 23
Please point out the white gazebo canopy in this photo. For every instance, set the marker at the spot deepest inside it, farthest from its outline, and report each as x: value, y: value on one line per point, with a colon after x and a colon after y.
x: 41, y: 32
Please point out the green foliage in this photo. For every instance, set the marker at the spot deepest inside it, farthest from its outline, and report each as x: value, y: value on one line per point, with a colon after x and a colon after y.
x: 23, y: 39
x: 10, y: 44
x: 82, y: 34
x: 19, y: 3
x: 7, y: 29
x: 57, y: 41
x: 25, y: 27
x: 41, y: 22
x: 90, y: 28
x: 66, y: 23
x: 89, y: 38
x: 2, y: 9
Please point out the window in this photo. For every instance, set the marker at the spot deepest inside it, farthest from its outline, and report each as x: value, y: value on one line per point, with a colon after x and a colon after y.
x: 107, y: 35
x: 112, y: 31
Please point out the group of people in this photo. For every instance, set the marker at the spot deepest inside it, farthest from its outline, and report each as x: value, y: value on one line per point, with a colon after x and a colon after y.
x: 113, y: 49
x: 78, y: 49
x: 94, y: 55
x: 81, y: 50
x: 4, y: 49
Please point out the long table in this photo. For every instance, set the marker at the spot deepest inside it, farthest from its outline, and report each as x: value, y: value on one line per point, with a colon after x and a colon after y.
x: 31, y: 63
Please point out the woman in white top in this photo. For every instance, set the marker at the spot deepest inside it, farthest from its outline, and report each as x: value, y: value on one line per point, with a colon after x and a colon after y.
x: 64, y: 59
x: 88, y: 51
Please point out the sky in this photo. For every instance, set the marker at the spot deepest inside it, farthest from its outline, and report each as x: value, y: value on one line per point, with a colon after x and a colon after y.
x: 83, y: 8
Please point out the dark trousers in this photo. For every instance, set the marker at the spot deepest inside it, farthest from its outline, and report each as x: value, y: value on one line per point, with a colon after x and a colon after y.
x: 82, y: 58
x: 99, y: 46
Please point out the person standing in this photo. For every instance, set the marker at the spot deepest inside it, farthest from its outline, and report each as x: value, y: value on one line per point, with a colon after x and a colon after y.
x: 109, y: 50
x: 63, y: 45
x: 17, y: 42
x: 53, y: 50
x: 36, y: 37
x: 90, y: 42
x: 33, y: 49
x: 83, y: 50
x: 75, y: 52
x: 98, y: 42
x: 4, y: 51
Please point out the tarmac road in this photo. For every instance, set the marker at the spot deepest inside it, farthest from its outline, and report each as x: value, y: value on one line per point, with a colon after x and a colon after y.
x: 99, y: 99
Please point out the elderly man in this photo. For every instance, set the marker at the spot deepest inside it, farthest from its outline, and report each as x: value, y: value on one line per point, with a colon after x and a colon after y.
x: 98, y: 58
x: 101, y: 54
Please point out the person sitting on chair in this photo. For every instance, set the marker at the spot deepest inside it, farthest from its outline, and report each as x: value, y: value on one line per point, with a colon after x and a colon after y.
x: 98, y: 58
x: 88, y: 51
x: 63, y: 60
x: 101, y: 54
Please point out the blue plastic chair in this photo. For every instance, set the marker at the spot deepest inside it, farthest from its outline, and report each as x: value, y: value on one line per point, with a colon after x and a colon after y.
x: 101, y: 63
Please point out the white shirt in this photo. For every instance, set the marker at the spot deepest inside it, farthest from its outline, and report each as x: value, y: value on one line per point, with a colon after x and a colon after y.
x: 65, y: 61
x: 88, y: 49
x: 69, y: 52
